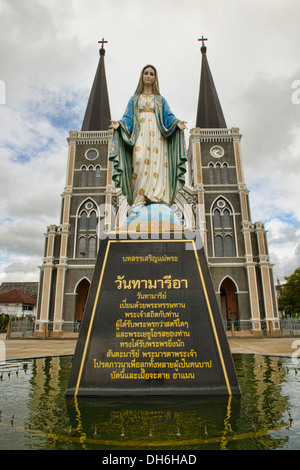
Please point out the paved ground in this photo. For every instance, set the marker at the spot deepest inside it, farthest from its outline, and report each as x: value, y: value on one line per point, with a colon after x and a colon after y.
x: 265, y: 346
x: 30, y: 348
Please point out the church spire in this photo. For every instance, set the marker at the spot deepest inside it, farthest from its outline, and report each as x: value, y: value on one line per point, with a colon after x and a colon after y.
x: 97, y: 115
x: 209, y: 112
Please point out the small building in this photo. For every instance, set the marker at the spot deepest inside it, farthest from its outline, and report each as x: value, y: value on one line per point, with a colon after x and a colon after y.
x: 17, y: 304
x: 22, y: 294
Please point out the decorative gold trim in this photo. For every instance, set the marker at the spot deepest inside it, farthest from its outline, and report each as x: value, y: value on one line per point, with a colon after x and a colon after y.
x: 91, y: 320
x: 212, y: 322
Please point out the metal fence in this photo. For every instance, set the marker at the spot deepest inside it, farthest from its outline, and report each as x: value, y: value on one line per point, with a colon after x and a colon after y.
x: 290, y: 326
x: 21, y: 329
x: 265, y: 327
x: 65, y: 326
x: 47, y: 328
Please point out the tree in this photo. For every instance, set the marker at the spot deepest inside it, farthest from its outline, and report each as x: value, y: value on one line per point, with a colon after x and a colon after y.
x: 4, y: 319
x: 289, y: 295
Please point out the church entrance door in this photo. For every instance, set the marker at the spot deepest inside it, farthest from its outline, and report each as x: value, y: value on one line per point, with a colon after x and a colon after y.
x: 82, y: 293
x: 229, y: 306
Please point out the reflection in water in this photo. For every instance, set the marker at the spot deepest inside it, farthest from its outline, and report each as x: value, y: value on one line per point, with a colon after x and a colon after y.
x: 172, y: 422
x: 36, y: 414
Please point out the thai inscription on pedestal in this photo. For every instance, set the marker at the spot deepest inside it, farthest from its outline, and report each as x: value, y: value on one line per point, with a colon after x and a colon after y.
x: 152, y: 325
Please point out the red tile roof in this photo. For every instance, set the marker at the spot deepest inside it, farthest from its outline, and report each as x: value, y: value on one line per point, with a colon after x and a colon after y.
x: 16, y: 297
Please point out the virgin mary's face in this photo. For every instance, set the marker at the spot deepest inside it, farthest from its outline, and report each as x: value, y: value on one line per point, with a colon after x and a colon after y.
x: 148, y: 76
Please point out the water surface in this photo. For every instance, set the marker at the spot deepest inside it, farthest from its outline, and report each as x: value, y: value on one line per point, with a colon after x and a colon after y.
x: 35, y: 414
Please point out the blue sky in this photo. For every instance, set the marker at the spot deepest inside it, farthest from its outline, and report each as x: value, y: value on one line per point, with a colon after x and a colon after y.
x: 49, y: 55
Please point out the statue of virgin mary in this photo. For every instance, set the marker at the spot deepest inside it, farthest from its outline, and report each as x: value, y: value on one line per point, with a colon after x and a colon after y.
x: 148, y: 146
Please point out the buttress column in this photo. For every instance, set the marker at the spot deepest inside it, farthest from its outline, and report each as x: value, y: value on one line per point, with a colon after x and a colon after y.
x: 64, y: 233
x: 246, y: 230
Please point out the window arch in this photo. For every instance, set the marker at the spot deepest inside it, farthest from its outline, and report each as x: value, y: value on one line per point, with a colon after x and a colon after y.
x: 219, y: 247
x: 90, y: 176
x: 229, y: 246
x: 83, y: 176
x: 87, y: 220
x: 217, y: 219
x: 227, y: 218
x: 211, y: 173
x: 83, y: 221
x: 82, y: 247
x: 97, y: 177
x: 93, y: 220
x: 218, y: 173
x: 222, y: 229
x: 225, y: 173
x: 92, y: 248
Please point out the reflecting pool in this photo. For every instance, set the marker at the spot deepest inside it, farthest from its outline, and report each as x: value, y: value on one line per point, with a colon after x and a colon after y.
x: 35, y: 414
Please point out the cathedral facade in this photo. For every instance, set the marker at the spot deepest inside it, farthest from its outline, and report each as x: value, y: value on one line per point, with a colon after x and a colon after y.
x: 214, y: 202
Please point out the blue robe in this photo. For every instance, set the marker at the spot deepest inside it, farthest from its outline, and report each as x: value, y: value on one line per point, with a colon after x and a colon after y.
x: 125, y: 137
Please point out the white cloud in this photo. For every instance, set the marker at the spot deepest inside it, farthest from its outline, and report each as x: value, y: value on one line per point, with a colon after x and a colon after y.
x: 284, y: 244
x: 49, y: 57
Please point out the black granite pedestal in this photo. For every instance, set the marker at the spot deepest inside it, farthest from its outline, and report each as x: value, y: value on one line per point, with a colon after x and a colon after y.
x: 152, y: 324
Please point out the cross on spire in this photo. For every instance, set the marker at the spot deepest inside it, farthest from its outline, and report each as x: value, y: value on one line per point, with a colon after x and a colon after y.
x: 102, y: 42
x: 202, y: 39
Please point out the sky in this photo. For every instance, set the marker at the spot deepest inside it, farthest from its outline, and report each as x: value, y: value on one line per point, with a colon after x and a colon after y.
x: 48, y: 59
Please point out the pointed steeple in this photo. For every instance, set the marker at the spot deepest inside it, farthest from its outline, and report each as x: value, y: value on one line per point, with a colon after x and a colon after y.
x: 209, y: 112
x: 97, y: 115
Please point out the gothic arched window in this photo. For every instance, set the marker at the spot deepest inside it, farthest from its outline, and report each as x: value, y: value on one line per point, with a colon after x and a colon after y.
x: 225, y: 173
x: 92, y: 247
x: 93, y: 221
x: 83, y: 221
x: 87, y: 220
x: 229, y: 246
x: 91, y: 177
x: 82, y: 247
x: 97, y: 177
x: 218, y: 173
x: 217, y: 219
x: 211, y: 173
x: 227, y: 218
x: 219, y: 246
x: 83, y: 177
x: 222, y: 226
